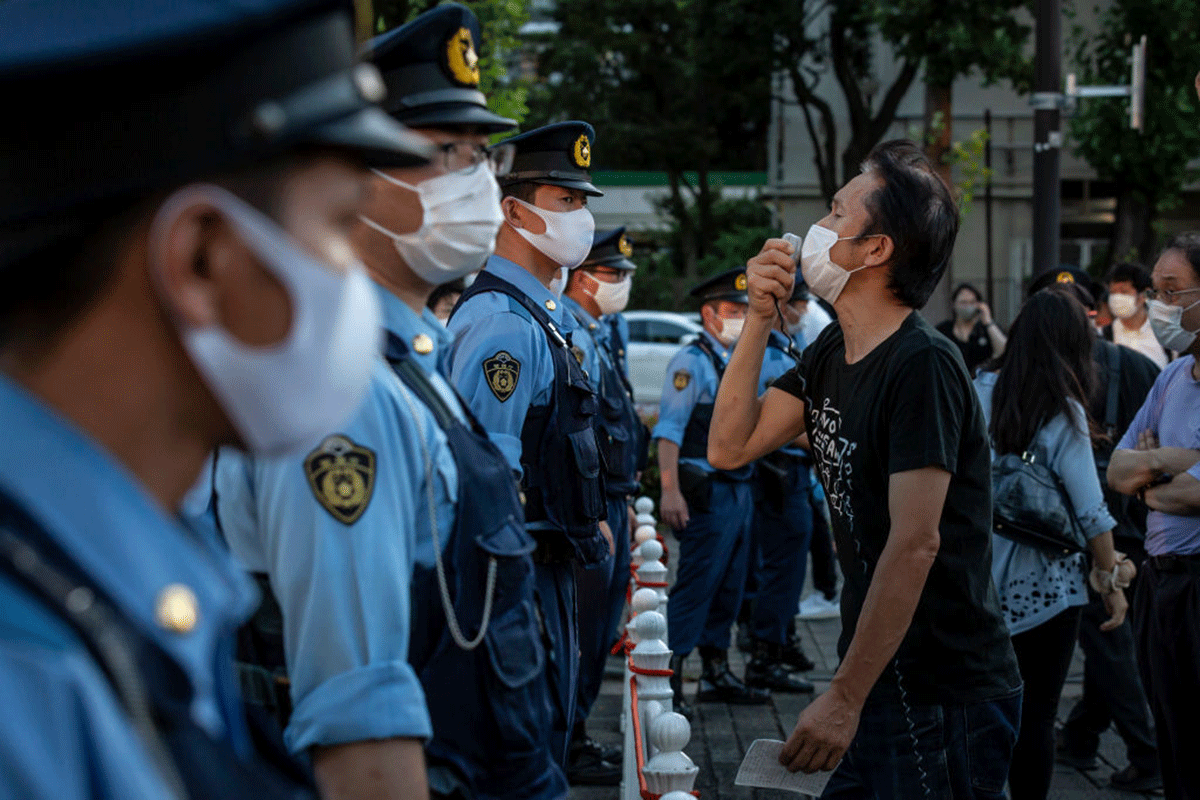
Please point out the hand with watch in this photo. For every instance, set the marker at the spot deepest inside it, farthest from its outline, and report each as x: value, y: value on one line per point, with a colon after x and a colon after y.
x: 1110, y: 585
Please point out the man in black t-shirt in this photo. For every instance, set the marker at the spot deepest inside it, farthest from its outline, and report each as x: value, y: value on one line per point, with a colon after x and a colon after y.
x: 926, y: 700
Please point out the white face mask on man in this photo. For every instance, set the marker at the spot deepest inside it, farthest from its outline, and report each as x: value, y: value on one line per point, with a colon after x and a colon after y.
x: 731, y: 330
x: 825, y: 279
x: 568, y: 236
x: 285, y: 395
x: 611, y: 298
x: 1166, y: 322
x: 460, y: 216
x: 1123, y: 306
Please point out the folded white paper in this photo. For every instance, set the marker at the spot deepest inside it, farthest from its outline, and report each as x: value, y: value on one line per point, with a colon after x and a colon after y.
x: 761, y: 769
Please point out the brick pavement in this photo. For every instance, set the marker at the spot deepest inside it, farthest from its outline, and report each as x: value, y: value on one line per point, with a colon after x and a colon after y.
x: 721, y: 733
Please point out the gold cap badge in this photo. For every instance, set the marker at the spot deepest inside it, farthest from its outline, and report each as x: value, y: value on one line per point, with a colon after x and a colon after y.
x: 176, y: 609
x: 625, y: 247
x: 1064, y: 277
x: 461, y: 59
x: 341, y: 475
x: 739, y: 282
x: 582, y: 153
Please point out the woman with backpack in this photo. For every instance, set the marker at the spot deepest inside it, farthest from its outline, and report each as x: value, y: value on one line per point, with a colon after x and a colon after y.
x: 1035, y: 398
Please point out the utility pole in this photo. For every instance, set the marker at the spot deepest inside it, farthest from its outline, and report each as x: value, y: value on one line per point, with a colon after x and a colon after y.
x: 1047, y: 135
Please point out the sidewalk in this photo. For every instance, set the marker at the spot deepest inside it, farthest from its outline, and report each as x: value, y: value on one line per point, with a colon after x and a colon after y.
x: 722, y: 733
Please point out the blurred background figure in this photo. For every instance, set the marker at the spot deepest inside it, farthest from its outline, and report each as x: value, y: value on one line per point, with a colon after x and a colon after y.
x: 1034, y: 397
x: 443, y: 299
x: 1130, y: 327
x: 972, y: 328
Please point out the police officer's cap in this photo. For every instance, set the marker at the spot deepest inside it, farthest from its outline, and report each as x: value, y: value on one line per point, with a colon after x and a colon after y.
x: 557, y: 154
x: 1063, y: 275
x: 120, y: 97
x: 610, y: 249
x: 431, y: 70
x: 728, y: 285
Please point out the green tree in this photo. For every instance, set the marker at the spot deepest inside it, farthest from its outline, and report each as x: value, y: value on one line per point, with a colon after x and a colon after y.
x: 672, y: 85
x: 1149, y: 169
x: 500, y: 22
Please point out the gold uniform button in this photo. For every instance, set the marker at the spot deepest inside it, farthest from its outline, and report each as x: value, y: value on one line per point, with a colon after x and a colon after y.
x: 550, y: 304
x: 176, y: 608
x: 591, y: 326
x: 422, y: 344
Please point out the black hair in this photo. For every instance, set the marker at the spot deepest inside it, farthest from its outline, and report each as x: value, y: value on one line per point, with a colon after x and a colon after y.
x: 978, y: 294
x: 1046, y: 364
x: 522, y: 190
x: 65, y: 262
x: 1128, y: 272
x: 914, y: 208
x: 1189, y: 244
x: 454, y: 287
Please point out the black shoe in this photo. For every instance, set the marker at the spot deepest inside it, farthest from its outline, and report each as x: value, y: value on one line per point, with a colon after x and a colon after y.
x: 587, y: 769
x: 768, y: 671
x: 1063, y: 754
x: 604, y: 752
x: 678, y: 704
x: 745, y: 642
x: 793, y: 656
x: 719, y: 685
x: 1133, y: 779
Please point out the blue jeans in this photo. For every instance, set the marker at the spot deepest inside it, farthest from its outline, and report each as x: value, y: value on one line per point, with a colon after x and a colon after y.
x: 918, y: 752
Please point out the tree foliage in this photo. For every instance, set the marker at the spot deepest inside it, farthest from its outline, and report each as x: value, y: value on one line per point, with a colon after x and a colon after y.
x: 1150, y: 168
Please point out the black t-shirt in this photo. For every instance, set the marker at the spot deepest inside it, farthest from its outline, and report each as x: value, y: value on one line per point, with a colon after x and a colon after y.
x: 976, y: 350
x: 908, y: 405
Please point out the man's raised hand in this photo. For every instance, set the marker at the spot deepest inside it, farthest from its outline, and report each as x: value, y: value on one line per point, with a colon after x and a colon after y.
x: 770, y: 276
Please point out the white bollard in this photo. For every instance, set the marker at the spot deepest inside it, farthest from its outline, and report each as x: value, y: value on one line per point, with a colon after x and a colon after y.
x: 671, y: 770
x: 651, y: 653
x: 653, y: 571
x: 646, y: 519
x: 643, y: 505
x: 642, y: 600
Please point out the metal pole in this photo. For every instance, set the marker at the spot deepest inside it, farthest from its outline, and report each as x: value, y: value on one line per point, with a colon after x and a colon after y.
x: 1047, y: 135
x: 987, y: 208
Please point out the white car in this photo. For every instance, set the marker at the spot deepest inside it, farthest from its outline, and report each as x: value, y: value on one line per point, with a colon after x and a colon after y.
x: 654, y: 338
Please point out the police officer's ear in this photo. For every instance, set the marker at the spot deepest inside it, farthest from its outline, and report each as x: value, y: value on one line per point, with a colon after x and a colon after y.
x: 708, y: 313
x: 518, y: 216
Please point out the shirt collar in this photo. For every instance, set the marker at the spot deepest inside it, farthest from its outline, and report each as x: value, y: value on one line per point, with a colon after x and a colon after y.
x: 524, y: 280
x: 722, y: 351
x: 581, y: 315
x: 117, y: 533
x: 410, y: 327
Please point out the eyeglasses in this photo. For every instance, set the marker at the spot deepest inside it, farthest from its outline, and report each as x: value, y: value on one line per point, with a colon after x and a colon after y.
x: 465, y: 157
x: 1168, y: 296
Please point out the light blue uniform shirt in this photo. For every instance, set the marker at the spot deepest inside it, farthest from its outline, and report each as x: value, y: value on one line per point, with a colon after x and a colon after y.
x: 692, y: 368
x: 491, y: 323
x: 1033, y: 585
x: 344, y: 585
x: 1172, y: 412
x: 776, y: 361
x: 63, y: 734
x: 618, y: 326
x: 587, y: 337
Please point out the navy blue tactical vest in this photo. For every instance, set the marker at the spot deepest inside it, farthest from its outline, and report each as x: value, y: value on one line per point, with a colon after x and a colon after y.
x: 695, y: 435
x: 563, y: 482
x: 154, y: 691
x: 622, y: 437
x: 489, y: 705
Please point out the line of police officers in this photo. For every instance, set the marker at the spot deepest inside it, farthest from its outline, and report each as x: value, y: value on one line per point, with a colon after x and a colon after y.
x: 197, y: 259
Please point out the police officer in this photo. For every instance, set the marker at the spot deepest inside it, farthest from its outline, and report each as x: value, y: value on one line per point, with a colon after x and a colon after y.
x: 410, y: 478
x: 177, y: 278
x: 709, y: 509
x: 598, y: 287
x: 780, y: 535
x: 514, y: 361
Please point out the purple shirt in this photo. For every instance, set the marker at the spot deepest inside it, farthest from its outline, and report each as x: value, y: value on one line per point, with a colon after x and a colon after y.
x: 1172, y: 412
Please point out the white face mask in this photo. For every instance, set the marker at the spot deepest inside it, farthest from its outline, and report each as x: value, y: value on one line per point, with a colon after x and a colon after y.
x: 460, y: 216
x: 283, y: 396
x: 1123, y: 306
x: 559, y: 282
x: 731, y: 330
x: 825, y: 279
x: 611, y: 298
x: 568, y: 237
x: 1165, y: 321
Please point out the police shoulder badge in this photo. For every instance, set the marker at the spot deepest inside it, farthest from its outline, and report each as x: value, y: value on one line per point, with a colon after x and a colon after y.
x: 341, y: 475
x: 625, y: 247
x: 582, y: 153
x: 461, y: 59
x: 739, y: 282
x: 502, y: 372
x: 682, y: 379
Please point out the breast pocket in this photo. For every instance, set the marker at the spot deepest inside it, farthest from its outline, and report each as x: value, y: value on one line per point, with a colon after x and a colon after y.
x: 586, y: 457
x: 518, y: 694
